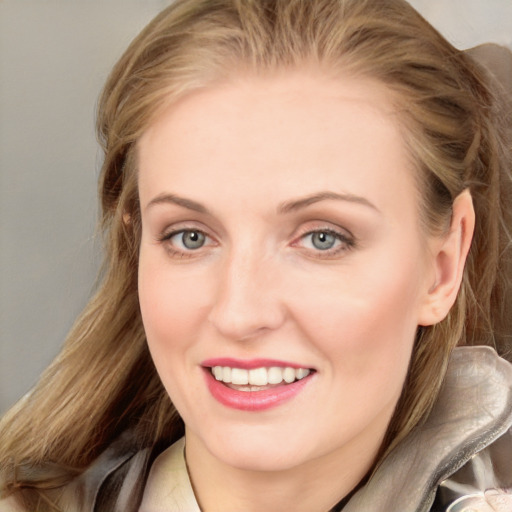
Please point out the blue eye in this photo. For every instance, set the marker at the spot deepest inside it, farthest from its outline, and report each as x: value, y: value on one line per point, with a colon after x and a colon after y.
x: 323, y: 240
x: 186, y: 239
x: 193, y: 239
x: 326, y: 243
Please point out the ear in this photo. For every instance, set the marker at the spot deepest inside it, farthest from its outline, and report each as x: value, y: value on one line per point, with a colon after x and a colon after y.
x: 449, y: 254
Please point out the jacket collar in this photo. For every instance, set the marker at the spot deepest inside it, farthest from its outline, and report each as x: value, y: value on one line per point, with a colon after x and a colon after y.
x: 473, y: 409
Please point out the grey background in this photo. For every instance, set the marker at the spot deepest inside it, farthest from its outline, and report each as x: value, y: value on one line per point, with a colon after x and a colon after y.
x: 54, y: 58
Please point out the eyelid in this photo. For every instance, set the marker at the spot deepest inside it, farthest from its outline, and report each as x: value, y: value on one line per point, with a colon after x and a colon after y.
x: 172, y: 229
x: 347, y: 239
x: 318, y: 226
x: 169, y: 232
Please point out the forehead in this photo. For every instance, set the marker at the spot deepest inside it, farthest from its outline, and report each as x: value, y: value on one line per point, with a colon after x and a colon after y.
x: 297, y: 130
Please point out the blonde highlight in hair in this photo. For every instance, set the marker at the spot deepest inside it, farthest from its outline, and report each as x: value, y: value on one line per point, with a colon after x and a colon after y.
x: 104, y: 382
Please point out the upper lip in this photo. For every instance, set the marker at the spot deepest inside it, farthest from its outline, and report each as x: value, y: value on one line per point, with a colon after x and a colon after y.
x: 249, y: 364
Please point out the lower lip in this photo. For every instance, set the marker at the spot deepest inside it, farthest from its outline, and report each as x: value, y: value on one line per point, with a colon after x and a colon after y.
x: 254, y: 400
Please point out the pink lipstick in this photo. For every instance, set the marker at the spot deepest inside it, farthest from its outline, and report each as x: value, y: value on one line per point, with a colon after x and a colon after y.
x: 254, y: 385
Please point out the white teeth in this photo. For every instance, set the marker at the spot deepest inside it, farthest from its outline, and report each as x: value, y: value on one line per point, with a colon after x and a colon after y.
x: 300, y: 373
x: 289, y: 375
x: 226, y: 374
x: 239, y: 376
x: 258, y: 376
x: 275, y: 375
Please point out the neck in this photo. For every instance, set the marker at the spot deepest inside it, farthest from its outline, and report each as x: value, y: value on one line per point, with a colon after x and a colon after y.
x: 317, y: 485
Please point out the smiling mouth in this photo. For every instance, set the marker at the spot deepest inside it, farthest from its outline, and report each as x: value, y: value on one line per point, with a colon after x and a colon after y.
x: 258, y: 379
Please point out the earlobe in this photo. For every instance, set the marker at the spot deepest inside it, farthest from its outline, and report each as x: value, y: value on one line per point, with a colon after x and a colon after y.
x: 449, y: 257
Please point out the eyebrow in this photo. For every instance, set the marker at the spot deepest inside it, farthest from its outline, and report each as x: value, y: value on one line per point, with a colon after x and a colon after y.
x: 180, y: 201
x: 283, y: 208
x: 291, y: 206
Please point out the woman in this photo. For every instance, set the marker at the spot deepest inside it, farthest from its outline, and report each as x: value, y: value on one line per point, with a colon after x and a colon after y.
x: 304, y: 205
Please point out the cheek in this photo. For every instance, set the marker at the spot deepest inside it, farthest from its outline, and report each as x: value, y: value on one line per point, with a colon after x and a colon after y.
x: 365, y: 321
x: 172, y: 313
x: 171, y: 305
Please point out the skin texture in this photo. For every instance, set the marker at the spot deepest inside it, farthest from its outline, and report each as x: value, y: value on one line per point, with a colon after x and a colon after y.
x: 245, y: 151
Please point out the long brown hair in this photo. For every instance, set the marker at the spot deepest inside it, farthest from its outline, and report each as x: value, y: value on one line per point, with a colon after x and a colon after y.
x: 104, y: 381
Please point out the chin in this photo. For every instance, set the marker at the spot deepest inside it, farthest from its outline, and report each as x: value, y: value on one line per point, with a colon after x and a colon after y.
x: 254, y: 459
x: 255, y: 451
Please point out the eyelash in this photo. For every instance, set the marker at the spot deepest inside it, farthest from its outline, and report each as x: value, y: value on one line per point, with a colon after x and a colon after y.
x: 346, y: 242
x: 167, y: 236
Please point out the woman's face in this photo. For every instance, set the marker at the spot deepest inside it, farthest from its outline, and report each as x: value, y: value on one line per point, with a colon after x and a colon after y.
x: 281, y: 242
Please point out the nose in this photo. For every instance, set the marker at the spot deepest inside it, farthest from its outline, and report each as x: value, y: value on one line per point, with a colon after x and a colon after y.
x: 248, y: 300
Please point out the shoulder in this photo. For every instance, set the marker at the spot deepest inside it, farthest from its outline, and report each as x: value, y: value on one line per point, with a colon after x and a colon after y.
x: 484, y: 483
x: 478, y: 474
x: 469, y: 427
x: 114, y: 481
